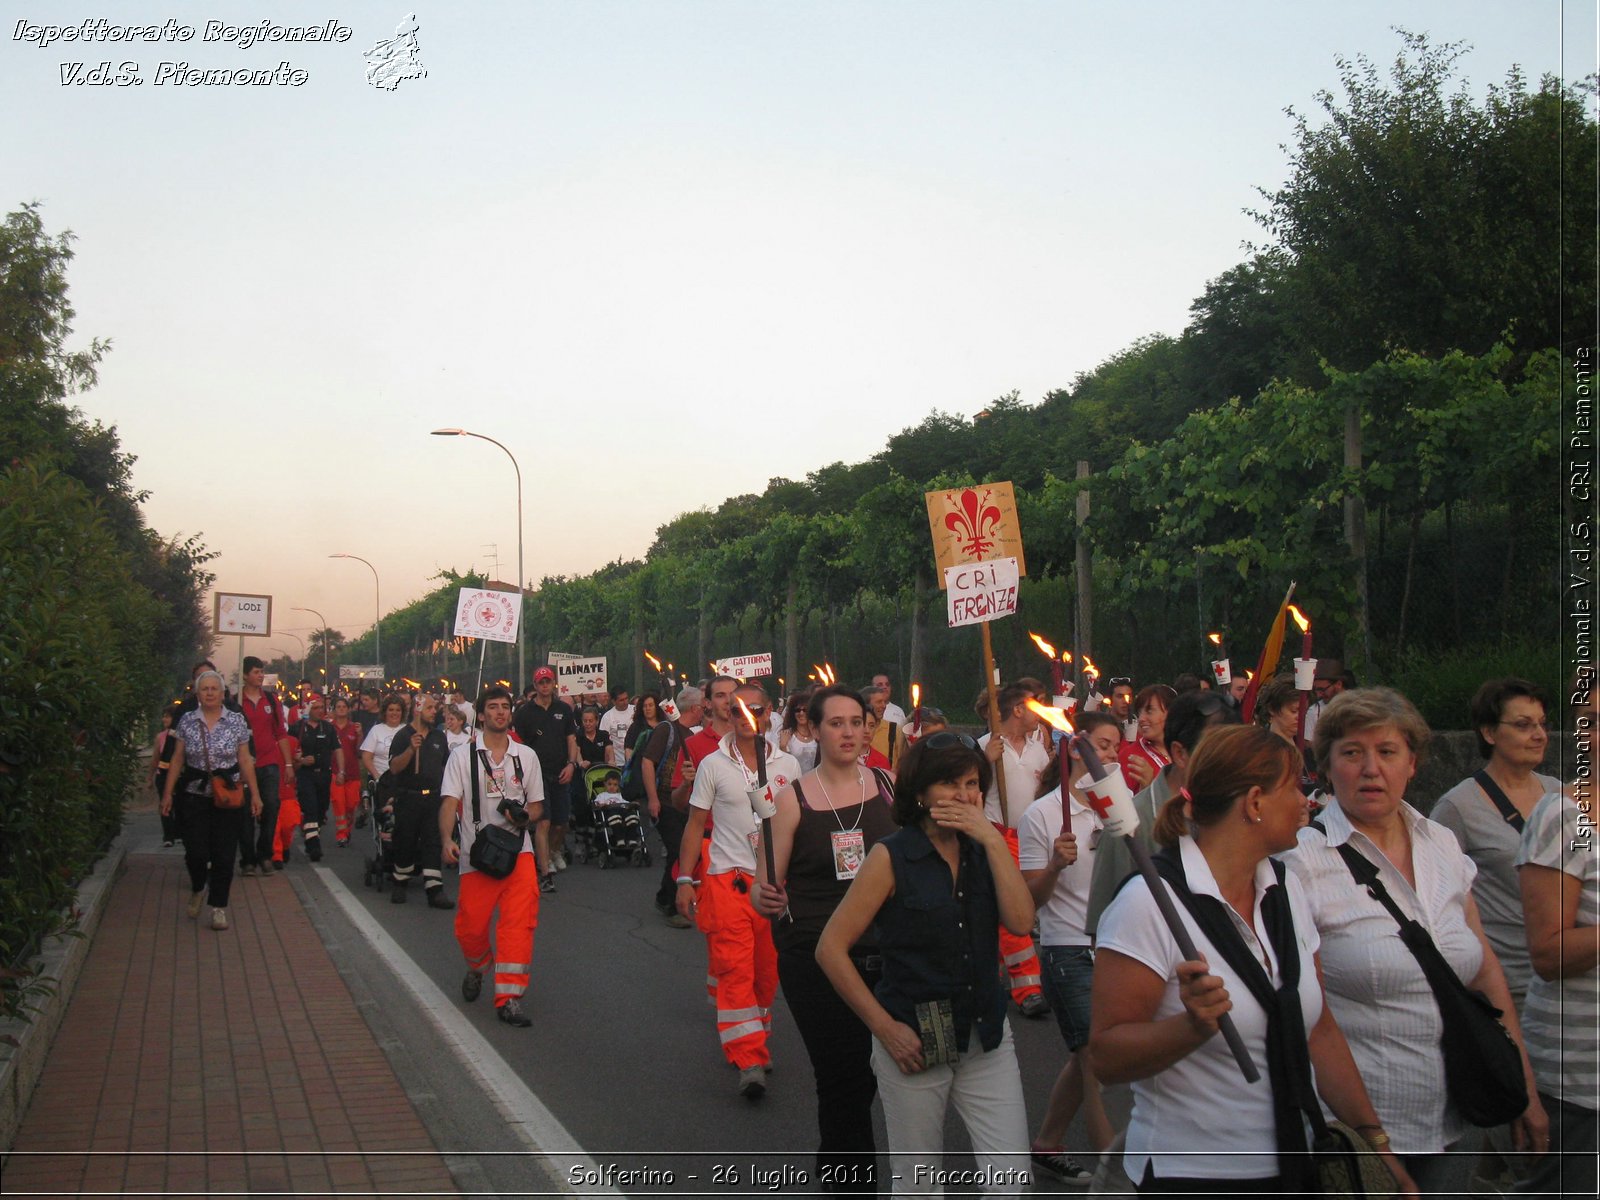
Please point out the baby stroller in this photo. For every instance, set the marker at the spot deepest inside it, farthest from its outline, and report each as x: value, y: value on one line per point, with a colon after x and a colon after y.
x: 614, y: 834
x: 379, y: 865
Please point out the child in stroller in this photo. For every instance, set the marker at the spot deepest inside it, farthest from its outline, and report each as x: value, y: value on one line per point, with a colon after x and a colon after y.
x: 614, y: 834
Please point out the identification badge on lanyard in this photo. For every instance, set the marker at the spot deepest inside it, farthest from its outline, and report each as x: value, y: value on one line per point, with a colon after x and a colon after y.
x: 496, y: 781
x: 849, y: 852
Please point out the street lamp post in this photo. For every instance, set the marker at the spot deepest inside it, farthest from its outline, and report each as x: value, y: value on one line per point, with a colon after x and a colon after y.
x: 522, y: 645
x: 324, y: 620
x: 302, y: 642
x: 377, y: 607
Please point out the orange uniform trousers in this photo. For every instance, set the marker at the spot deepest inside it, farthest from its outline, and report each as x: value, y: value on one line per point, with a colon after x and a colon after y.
x: 1017, y: 951
x: 517, y: 897
x: 743, y: 962
x: 346, y: 799
x: 289, y: 817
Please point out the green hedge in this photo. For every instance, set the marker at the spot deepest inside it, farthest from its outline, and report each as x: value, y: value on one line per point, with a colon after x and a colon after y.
x: 76, y: 677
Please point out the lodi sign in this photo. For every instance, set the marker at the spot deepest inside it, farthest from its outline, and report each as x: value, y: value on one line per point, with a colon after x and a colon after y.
x: 492, y: 616
x: 241, y: 614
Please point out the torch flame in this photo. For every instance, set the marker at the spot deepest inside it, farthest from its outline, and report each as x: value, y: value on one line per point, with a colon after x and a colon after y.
x: 1089, y: 668
x: 1300, y: 618
x: 1052, y: 716
x: 1214, y: 638
x: 1045, y: 647
x: 654, y: 661
x: 1249, y: 674
x: 916, y: 695
x: 748, y: 715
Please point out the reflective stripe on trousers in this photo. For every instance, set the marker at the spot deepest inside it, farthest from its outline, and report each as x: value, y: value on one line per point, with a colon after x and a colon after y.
x: 1018, y: 953
x: 517, y: 899
x: 744, y: 965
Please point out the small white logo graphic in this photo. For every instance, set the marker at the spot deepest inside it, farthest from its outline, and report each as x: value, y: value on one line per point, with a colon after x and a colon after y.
x: 392, y: 60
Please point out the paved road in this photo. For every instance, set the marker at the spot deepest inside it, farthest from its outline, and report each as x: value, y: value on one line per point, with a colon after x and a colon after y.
x: 623, y: 1052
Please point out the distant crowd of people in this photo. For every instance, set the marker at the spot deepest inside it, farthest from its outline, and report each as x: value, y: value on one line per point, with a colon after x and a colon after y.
x: 906, y: 885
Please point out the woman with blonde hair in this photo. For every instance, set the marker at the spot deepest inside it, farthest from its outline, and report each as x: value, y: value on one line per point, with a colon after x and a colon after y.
x: 1196, y: 1125
x: 1368, y: 744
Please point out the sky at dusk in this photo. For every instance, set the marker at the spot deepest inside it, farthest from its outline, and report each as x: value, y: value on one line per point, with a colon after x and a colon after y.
x: 664, y: 250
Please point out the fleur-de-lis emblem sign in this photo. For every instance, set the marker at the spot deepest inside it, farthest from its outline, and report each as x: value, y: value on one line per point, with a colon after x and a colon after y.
x: 975, y: 522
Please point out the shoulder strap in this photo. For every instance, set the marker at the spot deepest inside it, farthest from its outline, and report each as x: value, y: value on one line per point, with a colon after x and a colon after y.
x: 800, y: 796
x: 884, y: 788
x: 1508, y: 810
x: 472, y: 769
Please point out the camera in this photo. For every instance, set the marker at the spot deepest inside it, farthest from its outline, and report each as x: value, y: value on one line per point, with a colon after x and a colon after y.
x: 514, y: 811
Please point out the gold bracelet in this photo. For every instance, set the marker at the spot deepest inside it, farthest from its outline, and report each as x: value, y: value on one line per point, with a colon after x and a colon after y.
x: 1378, y: 1140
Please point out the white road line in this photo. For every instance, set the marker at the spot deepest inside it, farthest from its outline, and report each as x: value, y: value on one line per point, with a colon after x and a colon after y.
x: 523, y: 1111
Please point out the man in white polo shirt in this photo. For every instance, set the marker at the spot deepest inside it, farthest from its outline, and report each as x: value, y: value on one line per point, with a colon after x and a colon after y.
x: 510, y: 794
x: 742, y: 958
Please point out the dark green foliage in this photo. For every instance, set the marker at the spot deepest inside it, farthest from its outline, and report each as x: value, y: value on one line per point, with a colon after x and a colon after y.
x: 98, y: 614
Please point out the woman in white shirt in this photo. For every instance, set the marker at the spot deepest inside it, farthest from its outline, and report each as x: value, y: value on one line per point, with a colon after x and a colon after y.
x: 1366, y: 747
x: 1197, y: 1125
x: 1056, y: 849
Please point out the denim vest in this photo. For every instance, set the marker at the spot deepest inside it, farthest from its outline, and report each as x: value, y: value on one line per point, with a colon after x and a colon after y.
x: 941, y: 941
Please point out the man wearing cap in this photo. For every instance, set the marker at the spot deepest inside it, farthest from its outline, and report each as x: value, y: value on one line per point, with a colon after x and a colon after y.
x: 545, y: 725
x: 741, y: 956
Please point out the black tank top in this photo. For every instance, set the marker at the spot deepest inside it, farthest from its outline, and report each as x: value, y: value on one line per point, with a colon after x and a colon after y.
x: 813, y: 891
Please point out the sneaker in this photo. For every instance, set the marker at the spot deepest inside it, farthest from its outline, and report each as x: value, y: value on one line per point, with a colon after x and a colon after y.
x: 397, y: 893
x: 167, y: 845
x: 248, y: 870
x: 558, y: 861
x: 437, y: 899
x: 753, y: 1083
x: 1062, y: 1166
x: 1035, y: 1006
x: 471, y: 985
x: 196, y: 903
x: 548, y: 883
x: 219, y: 918
x: 342, y: 842
x: 361, y: 819
x: 511, y: 1013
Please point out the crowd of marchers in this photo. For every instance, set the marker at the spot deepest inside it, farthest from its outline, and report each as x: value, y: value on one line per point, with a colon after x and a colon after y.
x: 912, y: 889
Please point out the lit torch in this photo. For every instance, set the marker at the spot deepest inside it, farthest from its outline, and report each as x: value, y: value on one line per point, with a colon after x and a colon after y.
x: 662, y: 677
x: 916, y: 711
x: 1305, y: 677
x: 1221, y: 668
x: 760, y: 801
x: 1111, y: 798
x: 1049, y: 652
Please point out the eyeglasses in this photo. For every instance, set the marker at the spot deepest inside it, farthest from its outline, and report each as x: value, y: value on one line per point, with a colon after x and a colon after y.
x: 1527, y: 725
x: 757, y: 709
x: 937, y: 741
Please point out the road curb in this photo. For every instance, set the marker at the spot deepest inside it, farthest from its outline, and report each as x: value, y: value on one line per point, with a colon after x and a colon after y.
x: 61, y: 959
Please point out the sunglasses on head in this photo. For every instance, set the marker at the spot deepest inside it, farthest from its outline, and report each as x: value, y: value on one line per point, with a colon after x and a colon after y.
x: 1117, y: 681
x: 757, y: 709
x: 937, y: 741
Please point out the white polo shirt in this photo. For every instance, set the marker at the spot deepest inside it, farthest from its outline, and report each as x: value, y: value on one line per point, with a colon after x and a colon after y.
x: 615, y: 726
x: 1022, y: 779
x: 722, y: 785
x: 1201, y: 1103
x: 499, y: 782
x: 377, y: 742
x: 1064, y: 916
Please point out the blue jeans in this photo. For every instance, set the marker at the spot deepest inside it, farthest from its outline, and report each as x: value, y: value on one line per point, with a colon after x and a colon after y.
x: 1067, y: 976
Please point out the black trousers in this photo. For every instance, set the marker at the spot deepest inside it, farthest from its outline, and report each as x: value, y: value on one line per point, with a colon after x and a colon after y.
x: 670, y: 824
x: 210, y: 841
x: 840, y: 1049
x: 255, y: 842
x: 315, y: 790
x: 416, y: 837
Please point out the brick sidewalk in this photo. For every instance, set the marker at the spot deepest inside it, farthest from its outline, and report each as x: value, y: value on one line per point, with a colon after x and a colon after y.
x: 235, y: 1061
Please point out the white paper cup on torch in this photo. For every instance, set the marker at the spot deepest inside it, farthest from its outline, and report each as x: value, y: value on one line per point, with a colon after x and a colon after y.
x: 761, y: 803
x: 1064, y: 702
x: 1222, y: 671
x: 1305, y: 674
x: 670, y: 709
x: 1112, y: 799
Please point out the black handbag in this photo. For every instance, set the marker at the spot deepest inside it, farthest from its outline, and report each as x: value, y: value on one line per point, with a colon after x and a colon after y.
x: 495, y: 849
x: 1482, y: 1065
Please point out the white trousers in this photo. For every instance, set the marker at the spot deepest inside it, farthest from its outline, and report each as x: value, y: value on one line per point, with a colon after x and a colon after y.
x: 986, y: 1088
